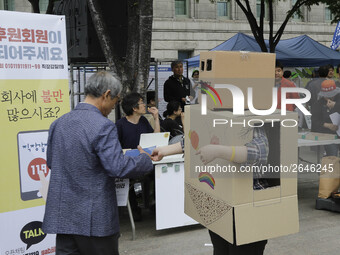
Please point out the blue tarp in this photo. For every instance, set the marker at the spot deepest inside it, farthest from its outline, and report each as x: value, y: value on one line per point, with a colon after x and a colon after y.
x: 301, y: 51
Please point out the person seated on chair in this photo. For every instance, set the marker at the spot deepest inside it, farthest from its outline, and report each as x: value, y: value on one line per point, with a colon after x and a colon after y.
x: 169, y: 124
x: 151, y: 102
x: 129, y: 130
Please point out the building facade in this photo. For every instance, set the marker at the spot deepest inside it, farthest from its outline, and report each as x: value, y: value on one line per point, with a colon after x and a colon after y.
x: 183, y: 28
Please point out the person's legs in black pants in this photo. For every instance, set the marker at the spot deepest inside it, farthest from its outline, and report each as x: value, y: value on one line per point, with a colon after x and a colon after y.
x: 256, y: 248
x: 87, y: 245
x: 223, y: 247
x: 66, y: 245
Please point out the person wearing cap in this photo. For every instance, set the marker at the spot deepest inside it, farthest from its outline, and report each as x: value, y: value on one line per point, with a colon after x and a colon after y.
x: 328, y: 102
x: 314, y: 86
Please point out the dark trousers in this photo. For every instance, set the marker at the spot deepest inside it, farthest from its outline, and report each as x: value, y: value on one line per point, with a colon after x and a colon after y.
x: 223, y: 247
x: 87, y: 245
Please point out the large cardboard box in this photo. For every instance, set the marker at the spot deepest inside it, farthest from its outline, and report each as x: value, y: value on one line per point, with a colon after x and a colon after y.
x: 242, y: 69
x: 225, y: 200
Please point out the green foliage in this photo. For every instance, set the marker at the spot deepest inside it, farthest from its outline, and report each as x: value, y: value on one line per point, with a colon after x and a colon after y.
x: 334, y: 6
x: 303, y: 73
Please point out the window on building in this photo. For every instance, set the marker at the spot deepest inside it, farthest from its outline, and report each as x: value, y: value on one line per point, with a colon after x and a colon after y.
x: 258, y: 9
x: 184, y: 54
x: 43, y: 6
x: 328, y: 14
x: 223, y: 8
x: 181, y: 7
x: 9, y: 5
x: 295, y: 16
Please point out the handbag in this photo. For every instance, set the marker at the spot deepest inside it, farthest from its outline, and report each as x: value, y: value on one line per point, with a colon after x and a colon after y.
x: 329, y: 180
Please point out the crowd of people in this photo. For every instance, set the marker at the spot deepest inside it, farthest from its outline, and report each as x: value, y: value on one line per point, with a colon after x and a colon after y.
x: 325, y: 100
x: 85, y: 154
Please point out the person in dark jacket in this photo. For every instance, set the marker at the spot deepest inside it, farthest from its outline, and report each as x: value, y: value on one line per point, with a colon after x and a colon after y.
x: 177, y: 87
x: 85, y: 157
x: 328, y: 103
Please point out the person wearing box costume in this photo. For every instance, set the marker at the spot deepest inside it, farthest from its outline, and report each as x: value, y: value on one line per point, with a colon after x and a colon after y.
x: 85, y: 157
x: 253, y: 153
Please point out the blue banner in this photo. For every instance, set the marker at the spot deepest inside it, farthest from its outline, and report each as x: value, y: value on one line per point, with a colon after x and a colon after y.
x: 336, y: 38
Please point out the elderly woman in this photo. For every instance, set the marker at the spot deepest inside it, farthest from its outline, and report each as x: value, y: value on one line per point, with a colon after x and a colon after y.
x: 328, y: 103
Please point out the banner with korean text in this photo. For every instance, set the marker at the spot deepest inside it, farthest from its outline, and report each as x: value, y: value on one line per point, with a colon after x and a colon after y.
x: 33, y: 93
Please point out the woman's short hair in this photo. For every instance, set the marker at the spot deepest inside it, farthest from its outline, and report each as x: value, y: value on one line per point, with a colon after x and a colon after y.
x: 171, y: 107
x: 100, y: 82
x: 130, y: 101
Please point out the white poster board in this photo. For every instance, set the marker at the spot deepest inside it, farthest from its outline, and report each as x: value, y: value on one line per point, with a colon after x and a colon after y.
x: 169, y: 180
x: 33, y: 93
x: 122, y: 191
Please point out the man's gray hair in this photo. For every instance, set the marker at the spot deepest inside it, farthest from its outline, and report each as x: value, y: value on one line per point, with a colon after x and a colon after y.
x: 100, y: 82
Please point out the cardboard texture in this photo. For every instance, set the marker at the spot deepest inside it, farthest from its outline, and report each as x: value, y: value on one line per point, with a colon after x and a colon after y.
x: 242, y: 69
x: 317, y: 136
x: 329, y: 180
x: 230, y: 200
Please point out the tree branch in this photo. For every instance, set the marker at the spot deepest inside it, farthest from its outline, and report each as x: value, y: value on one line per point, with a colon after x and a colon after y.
x: 104, y: 39
x: 262, y: 15
x: 35, y: 5
x: 279, y: 33
x: 258, y: 35
x: 132, y: 49
x: 145, y: 37
x: 50, y: 7
x: 271, y: 26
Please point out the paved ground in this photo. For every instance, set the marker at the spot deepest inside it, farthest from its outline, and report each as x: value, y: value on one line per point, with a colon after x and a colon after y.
x: 319, y: 230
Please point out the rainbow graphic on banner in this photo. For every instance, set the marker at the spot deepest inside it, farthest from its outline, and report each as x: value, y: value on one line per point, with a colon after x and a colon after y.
x: 207, y: 86
x: 207, y: 178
